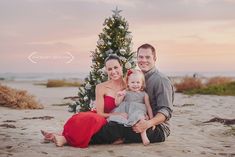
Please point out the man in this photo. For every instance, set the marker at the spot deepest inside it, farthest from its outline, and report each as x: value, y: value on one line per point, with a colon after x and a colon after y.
x: 161, y: 96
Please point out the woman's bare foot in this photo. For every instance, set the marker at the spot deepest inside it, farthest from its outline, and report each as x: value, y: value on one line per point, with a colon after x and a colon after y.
x: 48, y: 137
x: 59, y: 140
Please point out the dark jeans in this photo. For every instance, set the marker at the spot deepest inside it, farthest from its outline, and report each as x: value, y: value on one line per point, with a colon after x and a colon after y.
x: 113, y: 131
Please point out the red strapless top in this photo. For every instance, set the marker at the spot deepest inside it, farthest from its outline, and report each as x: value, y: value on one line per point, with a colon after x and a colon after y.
x: 109, y: 103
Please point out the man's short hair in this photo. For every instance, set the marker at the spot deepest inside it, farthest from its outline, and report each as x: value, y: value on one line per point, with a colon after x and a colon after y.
x: 147, y: 46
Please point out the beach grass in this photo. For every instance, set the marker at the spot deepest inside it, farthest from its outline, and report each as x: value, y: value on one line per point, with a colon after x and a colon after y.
x: 62, y: 104
x: 188, y: 83
x: 218, y: 80
x: 220, y: 89
x: 61, y: 83
x: 213, y: 86
x: 17, y: 99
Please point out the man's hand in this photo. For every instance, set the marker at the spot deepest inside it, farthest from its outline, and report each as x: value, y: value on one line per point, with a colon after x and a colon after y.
x: 141, y: 126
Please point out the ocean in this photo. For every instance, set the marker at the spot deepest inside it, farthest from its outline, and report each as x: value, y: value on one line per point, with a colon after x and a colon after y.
x: 78, y: 76
x: 41, y: 76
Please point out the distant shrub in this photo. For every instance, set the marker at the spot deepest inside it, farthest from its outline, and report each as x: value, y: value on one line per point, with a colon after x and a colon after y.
x: 62, y: 83
x: 218, y: 81
x: 188, y: 83
x: 213, y: 86
x: 18, y: 99
x: 220, y: 89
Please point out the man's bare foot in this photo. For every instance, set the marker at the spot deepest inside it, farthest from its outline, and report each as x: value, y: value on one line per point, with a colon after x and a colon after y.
x: 118, y: 141
x: 59, y: 140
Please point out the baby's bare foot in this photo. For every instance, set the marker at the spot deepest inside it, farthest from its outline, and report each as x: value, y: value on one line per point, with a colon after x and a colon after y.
x: 144, y: 138
x: 146, y: 142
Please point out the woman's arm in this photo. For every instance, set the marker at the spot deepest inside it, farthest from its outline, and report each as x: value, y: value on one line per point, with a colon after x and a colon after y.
x: 100, y: 92
x: 148, y: 106
x: 99, y: 96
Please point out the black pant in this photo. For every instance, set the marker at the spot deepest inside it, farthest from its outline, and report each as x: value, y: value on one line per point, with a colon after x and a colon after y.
x: 113, y: 131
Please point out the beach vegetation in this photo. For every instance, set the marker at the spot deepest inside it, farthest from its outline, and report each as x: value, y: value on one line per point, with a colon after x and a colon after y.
x: 218, y: 81
x: 61, y: 83
x: 17, y: 99
x: 213, y: 86
x: 188, y: 83
x: 220, y: 89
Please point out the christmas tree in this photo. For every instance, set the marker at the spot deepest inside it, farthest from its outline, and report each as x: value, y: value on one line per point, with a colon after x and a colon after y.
x: 115, y: 39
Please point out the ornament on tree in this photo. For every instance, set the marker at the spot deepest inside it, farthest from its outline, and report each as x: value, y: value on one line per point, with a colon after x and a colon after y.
x: 78, y: 108
x: 98, y: 80
x: 101, y: 70
x: 128, y: 36
x: 128, y: 65
x: 100, y: 42
x: 122, y: 51
x: 88, y: 86
x: 123, y: 59
x: 71, y: 108
x: 92, y: 104
x: 110, y: 51
x: 105, y: 22
x: 85, y: 98
x: 121, y: 27
x: 102, y: 77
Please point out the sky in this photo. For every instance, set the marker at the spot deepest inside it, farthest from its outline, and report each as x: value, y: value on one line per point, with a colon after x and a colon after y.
x: 189, y: 35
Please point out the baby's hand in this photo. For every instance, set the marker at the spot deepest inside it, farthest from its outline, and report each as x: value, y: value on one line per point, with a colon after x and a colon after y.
x: 121, y: 93
x: 153, y: 128
x: 146, y: 117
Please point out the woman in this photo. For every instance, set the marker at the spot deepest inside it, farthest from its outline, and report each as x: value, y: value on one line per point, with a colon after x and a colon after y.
x: 79, y: 129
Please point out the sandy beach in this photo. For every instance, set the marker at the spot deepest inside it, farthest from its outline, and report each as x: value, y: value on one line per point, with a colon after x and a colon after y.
x: 20, y: 129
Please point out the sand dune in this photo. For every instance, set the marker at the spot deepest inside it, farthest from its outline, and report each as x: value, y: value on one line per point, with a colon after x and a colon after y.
x: 189, y: 136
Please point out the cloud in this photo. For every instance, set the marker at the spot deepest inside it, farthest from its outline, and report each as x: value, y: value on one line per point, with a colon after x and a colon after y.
x: 73, y: 25
x: 181, y: 10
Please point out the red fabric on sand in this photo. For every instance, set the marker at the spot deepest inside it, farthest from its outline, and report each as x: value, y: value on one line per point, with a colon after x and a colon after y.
x: 79, y: 129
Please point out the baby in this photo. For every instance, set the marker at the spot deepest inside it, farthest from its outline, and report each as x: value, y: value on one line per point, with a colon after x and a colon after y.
x: 134, y: 101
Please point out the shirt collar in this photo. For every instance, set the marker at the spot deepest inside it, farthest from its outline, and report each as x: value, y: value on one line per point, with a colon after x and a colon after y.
x: 150, y: 72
